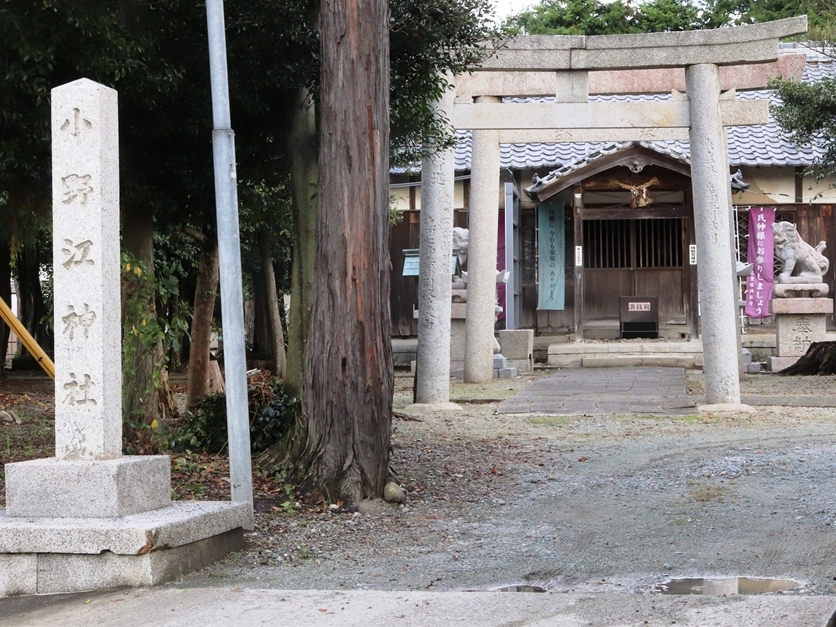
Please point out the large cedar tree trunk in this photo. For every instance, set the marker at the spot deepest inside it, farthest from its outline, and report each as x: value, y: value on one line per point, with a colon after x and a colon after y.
x: 347, y: 390
x: 820, y: 359
x: 272, y: 312
x: 303, y: 150
x: 146, y: 395
x: 198, y: 382
x: 32, y: 310
x: 262, y: 340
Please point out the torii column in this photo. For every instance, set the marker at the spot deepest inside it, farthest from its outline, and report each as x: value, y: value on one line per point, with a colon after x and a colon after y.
x: 432, y: 371
x: 481, y: 254
x: 710, y: 184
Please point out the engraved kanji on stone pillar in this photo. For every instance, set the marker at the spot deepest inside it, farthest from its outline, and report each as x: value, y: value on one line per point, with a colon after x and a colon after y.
x: 85, y: 200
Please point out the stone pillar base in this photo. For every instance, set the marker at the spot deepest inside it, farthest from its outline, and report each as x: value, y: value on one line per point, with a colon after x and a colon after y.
x: 57, y: 555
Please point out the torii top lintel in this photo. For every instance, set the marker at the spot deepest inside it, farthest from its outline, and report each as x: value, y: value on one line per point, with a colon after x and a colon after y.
x: 564, y: 65
x: 751, y: 43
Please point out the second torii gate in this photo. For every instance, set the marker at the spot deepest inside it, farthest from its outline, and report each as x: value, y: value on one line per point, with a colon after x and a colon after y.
x: 559, y: 66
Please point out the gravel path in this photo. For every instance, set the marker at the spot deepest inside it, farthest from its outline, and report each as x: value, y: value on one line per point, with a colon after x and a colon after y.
x: 575, y: 503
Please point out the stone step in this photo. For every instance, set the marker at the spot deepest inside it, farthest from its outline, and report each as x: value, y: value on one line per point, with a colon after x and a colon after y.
x: 614, y: 354
x: 671, y: 360
x: 625, y: 347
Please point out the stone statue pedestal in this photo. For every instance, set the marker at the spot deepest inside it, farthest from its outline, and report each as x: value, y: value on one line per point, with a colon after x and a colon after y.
x: 457, y: 330
x: 798, y: 323
x: 458, y: 326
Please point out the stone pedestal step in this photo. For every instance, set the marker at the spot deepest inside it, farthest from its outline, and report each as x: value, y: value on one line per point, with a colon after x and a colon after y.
x: 52, y: 555
x: 612, y: 354
x: 672, y: 360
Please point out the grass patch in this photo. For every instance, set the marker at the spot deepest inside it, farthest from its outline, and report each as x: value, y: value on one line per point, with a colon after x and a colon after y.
x: 695, y: 419
x: 550, y: 421
x: 708, y: 493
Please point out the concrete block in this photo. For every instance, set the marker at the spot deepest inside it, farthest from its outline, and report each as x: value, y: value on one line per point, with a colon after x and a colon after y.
x: 565, y: 361
x: 457, y: 335
x: 499, y: 362
x: 776, y: 364
x: 669, y: 360
x: 577, y: 348
x: 88, y: 489
x: 522, y: 365
x: 506, y: 373
x: 694, y: 347
x: 753, y: 368
x: 747, y: 356
x: 612, y: 361
x: 517, y: 344
x: 18, y: 574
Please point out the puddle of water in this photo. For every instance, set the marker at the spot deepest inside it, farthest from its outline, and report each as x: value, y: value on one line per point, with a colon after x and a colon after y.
x: 522, y: 588
x: 725, y: 585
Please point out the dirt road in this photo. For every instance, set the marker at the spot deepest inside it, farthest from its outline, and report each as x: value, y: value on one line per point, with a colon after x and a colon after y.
x: 576, y: 503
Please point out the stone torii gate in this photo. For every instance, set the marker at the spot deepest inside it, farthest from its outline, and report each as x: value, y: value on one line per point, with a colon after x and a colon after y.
x: 559, y: 66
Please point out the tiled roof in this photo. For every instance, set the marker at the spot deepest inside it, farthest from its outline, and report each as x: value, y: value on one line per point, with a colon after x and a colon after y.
x: 763, y: 145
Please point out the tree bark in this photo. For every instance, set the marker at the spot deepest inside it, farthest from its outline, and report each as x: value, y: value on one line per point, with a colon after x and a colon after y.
x: 262, y: 341
x: 33, y: 311
x: 273, y: 314
x: 347, y: 391
x: 6, y: 294
x: 206, y: 290
x: 303, y: 150
x: 820, y: 358
x: 146, y: 393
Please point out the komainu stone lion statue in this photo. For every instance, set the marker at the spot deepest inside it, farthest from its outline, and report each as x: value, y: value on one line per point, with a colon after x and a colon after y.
x: 794, y: 252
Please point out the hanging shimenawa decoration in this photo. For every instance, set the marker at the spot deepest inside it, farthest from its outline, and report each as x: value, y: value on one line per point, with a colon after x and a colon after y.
x: 638, y: 191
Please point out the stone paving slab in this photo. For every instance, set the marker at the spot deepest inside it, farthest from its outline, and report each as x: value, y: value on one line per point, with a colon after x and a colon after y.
x: 237, y: 607
x: 800, y: 400
x: 644, y: 390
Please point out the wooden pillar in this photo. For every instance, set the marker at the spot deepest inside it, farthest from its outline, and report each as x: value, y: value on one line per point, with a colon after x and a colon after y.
x: 577, y: 260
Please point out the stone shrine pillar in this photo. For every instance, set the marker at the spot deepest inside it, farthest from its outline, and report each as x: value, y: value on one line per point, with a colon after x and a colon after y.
x: 88, y: 477
x: 712, y: 225
x: 86, y: 269
x: 481, y: 260
x: 434, y: 276
x: 91, y: 518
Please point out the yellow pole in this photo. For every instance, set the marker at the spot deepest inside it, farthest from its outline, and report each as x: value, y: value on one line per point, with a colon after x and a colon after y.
x: 28, y: 341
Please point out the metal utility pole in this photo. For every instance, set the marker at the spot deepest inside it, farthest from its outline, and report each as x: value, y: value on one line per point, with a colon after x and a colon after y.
x: 229, y: 250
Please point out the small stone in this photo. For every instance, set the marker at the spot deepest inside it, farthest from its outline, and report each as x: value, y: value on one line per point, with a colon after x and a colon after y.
x: 667, y: 566
x: 393, y: 493
x: 6, y: 417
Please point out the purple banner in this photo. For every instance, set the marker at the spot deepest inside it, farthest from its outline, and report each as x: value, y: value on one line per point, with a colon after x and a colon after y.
x: 759, y: 283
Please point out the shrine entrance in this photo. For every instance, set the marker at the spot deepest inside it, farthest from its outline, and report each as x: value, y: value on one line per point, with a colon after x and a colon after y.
x: 633, y: 223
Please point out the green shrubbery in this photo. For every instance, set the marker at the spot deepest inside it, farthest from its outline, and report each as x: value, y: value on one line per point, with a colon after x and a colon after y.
x: 271, y: 411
